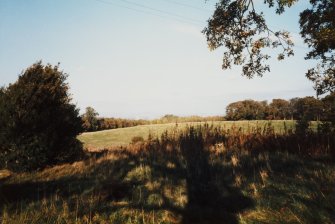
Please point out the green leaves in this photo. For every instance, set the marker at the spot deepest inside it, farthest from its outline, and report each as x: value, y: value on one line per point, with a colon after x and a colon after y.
x: 280, y: 4
x: 38, y: 123
x: 245, y: 36
x: 243, y: 32
x: 318, y: 31
x: 90, y: 120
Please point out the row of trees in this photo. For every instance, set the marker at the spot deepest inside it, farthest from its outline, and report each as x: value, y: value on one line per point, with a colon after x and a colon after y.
x: 91, y: 121
x: 308, y: 108
x: 170, y: 118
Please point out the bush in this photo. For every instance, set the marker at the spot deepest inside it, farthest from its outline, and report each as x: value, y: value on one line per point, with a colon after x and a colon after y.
x: 302, y: 126
x: 38, y: 123
x: 136, y: 139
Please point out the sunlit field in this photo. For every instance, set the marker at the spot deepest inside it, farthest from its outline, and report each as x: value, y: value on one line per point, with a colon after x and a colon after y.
x: 201, y: 174
x: 124, y: 136
x: 141, y: 112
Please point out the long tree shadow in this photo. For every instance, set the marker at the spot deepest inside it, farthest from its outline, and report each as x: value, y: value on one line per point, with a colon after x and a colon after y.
x: 176, y: 174
x: 206, y: 202
x: 111, y: 187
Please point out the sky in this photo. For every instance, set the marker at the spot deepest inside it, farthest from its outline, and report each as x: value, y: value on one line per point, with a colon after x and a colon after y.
x: 142, y: 59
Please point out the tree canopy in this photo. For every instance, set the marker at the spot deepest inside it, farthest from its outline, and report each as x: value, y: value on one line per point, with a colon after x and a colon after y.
x: 307, y: 108
x: 38, y: 122
x: 90, y: 119
x: 243, y: 31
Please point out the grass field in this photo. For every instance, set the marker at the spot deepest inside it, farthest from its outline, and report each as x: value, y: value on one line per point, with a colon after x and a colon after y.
x: 123, y: 136
x: 201, y: 175
x: 247, y: 174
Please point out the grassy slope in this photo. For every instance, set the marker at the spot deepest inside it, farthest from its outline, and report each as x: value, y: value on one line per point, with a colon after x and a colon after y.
x: 160, y: 184
x: 123, y: 136
x: 154, y: 186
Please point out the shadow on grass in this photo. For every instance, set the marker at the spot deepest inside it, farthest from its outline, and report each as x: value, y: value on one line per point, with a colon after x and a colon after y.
x: 127, y: 177
x: 208, y: 202
x: 68, y: 186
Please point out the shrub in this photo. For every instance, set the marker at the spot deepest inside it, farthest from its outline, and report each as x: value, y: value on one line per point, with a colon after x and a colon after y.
x: 136, y: 139
x: 38, y: 123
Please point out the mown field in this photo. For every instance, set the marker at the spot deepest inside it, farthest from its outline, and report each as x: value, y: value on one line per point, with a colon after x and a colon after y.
x: 123, y: 136
x: 202, y: 174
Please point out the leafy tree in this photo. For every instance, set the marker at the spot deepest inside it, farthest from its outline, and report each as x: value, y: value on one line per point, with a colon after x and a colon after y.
x: 4, y: 114
x: 318, y: 30
x: 294, y: 114
x: 246, y: 110
x: 309, y: 108
x: 39, y: 124
x: 329, y: 108
x: 90, y: 120
x: 328, y: 114
x: 243, y: 31
x: 168, y: 118
x: 305, y: 110
x: 279, y: 109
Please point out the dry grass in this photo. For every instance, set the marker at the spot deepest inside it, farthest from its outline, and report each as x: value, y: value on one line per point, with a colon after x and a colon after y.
x: 199, y: 175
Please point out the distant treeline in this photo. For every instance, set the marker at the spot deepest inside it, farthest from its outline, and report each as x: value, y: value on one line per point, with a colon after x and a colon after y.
x: 170, y: 118
x: 308, y: 108
x: 93, y: 123
x: 111, y: 123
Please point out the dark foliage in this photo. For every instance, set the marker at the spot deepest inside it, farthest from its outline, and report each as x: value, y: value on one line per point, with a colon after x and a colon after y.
x: 242, y: 30
x: 90, y: 120
x: 306, y: 108
x: 246, y: 110
x: 237, y: 26
x: 39, y: 124
x: 318, y: 30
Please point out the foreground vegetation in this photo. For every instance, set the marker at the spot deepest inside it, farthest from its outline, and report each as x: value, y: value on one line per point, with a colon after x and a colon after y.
x: 205, y: 174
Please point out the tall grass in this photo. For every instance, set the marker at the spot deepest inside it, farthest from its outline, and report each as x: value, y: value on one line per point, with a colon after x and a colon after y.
x: 200, y: 174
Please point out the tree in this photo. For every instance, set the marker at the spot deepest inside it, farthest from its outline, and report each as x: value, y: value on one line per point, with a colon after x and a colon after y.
x: 305, y: 110
x: 293, y: 108
x: 309, y: 108
x: 90, y: 119
x: 237, y: 26
x: 328, y: 114
x: 329, y: 108
x: 318, y: 30
x: 39, y: 124
x: 279, y: 109
x: 169, y: 118
x: 246, y: 110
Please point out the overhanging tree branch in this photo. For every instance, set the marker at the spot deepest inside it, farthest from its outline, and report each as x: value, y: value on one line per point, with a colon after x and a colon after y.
x: 243, y: 32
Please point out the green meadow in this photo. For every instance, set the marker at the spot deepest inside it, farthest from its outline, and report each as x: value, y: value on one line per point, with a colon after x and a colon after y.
x: 225, y: 172
x: 123, y: 136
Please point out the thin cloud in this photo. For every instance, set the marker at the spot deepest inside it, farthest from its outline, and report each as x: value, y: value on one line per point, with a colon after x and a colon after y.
x: 189, y: 30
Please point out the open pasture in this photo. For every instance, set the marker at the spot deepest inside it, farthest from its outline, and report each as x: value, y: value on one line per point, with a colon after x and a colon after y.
x: 196, y: 175
x: 123, y: 136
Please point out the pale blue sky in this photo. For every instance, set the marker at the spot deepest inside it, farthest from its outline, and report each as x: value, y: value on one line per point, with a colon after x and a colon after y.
x: 140, y: 58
